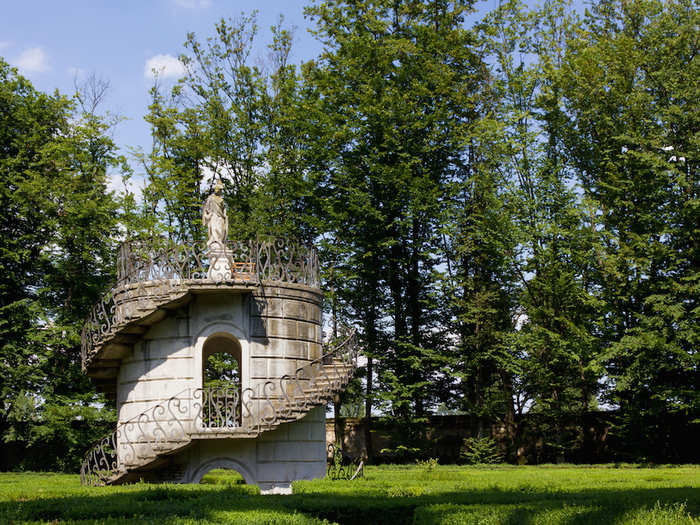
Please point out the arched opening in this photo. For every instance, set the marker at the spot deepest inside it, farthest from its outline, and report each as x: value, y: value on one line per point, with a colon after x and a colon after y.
x: 221, y: 382
x: 222, y: 470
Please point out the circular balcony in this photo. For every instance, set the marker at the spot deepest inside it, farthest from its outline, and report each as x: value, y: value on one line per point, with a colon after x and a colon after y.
x: 154, y: 274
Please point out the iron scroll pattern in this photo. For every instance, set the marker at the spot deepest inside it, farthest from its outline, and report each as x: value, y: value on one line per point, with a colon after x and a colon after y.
x: 143, y: 266
x: 268, y: 260
x: 169, y: 425
x: 342, y: 467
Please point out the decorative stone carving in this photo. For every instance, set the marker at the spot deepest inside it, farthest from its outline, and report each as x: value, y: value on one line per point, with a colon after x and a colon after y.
x: 215, y: 219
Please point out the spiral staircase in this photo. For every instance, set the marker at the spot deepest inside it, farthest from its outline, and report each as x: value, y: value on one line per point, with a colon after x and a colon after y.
x: 153, y: 437
x: 154, y: 283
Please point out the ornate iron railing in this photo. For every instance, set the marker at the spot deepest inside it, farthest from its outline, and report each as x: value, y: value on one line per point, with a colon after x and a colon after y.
x: 310, y: 385
x: 170, y: 424
x: 258, y: 260
x: 158, y: 428
x: 172, y: 265
x: 342, y: 467
x: 220, y: 406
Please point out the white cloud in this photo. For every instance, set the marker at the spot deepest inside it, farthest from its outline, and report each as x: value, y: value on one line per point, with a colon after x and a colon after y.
x: 165, y: 66
x: 32, y: 60
x: 117, y: 184
x: 192, y: 4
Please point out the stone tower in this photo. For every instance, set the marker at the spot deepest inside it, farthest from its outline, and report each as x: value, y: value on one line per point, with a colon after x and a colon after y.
x: 147, y: 341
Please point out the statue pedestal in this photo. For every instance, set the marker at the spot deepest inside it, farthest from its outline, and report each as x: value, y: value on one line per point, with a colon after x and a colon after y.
x: 220, y: 264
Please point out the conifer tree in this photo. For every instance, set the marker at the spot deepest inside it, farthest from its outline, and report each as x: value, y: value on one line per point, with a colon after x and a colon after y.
x: 630, y: 86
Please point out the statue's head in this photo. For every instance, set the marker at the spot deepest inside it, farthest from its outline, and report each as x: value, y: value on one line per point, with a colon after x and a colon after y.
x: 218, y: 186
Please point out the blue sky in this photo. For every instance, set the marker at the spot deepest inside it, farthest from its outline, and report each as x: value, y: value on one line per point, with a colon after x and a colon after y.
x: 51, y: 41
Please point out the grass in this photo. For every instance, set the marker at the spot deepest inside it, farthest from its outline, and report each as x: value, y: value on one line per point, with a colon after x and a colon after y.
x: 544, y: 495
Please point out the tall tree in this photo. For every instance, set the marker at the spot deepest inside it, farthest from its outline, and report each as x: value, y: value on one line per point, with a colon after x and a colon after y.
x: 57, y: 227
x: 392, y: 91
x: 630, y: 86
x: 231, y: 119
x: 549, y: 362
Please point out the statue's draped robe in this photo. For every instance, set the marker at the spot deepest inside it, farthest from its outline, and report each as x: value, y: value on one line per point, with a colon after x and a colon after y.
x: 215, y: 219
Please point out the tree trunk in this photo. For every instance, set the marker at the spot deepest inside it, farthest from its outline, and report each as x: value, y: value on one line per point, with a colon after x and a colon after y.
x: 338, y: 424
x: 369, y: 451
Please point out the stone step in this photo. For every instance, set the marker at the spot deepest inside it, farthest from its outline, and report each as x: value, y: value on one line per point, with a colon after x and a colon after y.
x: 339, y: 365
x: 335, y: 373
x: 328, y: 380
x: 159, y: 449
x: 325, y: 388
x: 328, y: 384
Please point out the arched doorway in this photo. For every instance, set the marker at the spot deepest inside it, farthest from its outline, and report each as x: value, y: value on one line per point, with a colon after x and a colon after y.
x: 221, y: 381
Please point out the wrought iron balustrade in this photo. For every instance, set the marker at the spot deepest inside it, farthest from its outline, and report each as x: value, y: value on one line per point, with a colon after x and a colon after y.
x: 262, y: 260
x: 220, y: 406
x: 142, y: 265
x: 340, y: 466
x: 168, y: 425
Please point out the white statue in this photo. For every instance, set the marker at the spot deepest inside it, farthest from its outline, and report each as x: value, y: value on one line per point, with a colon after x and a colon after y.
x: 215, y: 219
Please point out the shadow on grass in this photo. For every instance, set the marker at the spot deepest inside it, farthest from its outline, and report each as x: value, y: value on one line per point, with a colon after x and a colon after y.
x: 164, y: 504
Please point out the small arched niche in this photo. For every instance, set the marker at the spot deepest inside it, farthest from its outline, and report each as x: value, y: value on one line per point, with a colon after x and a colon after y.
x: 221, y: 381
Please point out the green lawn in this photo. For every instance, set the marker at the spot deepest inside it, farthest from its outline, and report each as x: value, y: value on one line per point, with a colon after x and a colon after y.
x: 392, y: 495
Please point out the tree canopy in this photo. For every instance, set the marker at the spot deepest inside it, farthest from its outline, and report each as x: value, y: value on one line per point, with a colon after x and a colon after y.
x: 506, y: 208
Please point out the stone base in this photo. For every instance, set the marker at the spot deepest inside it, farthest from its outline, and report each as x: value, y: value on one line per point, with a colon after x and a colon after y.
x: 273, y: 331
x: 220, y: 268
x: 293, y: 451
x: 281, y: 488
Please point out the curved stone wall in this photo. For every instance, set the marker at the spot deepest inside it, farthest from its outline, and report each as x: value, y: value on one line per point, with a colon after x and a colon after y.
x: 278, y: 328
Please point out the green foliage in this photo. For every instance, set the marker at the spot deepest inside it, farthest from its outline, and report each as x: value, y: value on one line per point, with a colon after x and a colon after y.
x: 507, y: 210
x: 391, y: 99
x: 231, y: 120
x: 400, y: 454
x: 428, y: 465
x: 221, y: 370
x: 631, y: 133
x: 480, y: 450
x: 58, y: 224
x: 448, y: 514
x: 496, y: 206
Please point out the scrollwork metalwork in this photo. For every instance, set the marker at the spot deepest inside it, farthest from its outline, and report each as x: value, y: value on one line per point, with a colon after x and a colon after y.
x: 143, y: 265
x: 169, y: 424
x: 220, y: 407
x: 341, y: 466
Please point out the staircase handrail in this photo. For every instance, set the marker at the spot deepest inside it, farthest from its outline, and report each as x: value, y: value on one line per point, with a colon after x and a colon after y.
x: 102, y: 460
x: 290, y: 388
x: 153, y: 432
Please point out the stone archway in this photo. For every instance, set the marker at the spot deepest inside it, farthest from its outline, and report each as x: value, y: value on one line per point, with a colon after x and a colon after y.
x: 221, y: 462
x: 221, y: 388
x: 222, y: 344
